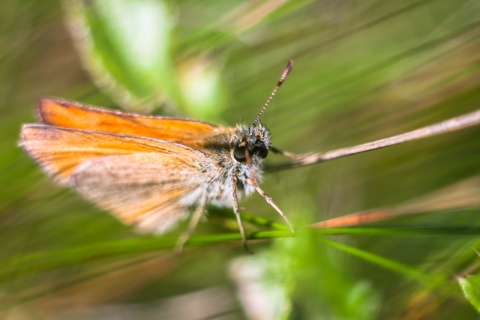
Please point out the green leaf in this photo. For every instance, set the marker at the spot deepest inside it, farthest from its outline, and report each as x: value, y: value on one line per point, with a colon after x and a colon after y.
x: 471, y: 289
x: 126, y: 47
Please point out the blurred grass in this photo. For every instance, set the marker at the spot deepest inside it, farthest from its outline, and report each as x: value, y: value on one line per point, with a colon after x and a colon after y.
x: 363, y: 71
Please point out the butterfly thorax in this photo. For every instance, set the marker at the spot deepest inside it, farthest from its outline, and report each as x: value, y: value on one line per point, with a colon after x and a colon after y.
x: 239, y: 160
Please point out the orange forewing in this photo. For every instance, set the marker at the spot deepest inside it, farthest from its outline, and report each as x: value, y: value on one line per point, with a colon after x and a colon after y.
x: 69, y: 114
x: 144, y: 181
x: 60, y: 150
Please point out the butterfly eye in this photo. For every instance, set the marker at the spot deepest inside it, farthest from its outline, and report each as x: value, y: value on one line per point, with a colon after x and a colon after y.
x: 239, y: 154
x: 261, y: 151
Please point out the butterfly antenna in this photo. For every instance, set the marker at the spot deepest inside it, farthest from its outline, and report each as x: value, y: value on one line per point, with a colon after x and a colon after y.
x: 285, y: 73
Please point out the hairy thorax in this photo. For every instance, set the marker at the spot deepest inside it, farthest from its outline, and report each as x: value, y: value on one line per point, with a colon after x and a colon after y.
x: 239, y: 156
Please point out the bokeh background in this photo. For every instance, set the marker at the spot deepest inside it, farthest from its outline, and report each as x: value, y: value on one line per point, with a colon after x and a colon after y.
x: 364, y: 70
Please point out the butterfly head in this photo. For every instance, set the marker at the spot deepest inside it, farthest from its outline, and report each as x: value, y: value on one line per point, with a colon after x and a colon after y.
x: 251, y: 144
x: 249, y: 147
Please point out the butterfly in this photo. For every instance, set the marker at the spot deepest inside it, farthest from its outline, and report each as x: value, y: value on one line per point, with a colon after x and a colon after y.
x: 150, y: 171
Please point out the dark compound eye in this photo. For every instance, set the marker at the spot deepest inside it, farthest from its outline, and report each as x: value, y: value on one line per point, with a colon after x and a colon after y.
x: 239, y: 154
x: 261, y: 151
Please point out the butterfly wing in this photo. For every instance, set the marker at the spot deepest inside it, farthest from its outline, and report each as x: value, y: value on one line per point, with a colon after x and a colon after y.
x: 68, y: 114
x: 142, y: 181
x: 151, y: 190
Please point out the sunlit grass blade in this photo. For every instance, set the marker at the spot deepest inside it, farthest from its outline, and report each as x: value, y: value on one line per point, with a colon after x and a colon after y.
x: 420, y: 231
x: 409, y: 272
x: 49, y: 260
x: 250, y: 218
x: 471, y: 289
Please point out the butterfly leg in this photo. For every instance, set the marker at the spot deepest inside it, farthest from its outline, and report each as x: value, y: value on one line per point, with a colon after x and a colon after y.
x: 299, y: 160
x: 236, y: 210
x: 291, y: 155
x: 270, y: 202
x: 197, y: 215
x: 284, y: 153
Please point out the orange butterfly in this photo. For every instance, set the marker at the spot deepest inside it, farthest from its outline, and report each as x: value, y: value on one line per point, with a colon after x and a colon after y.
x: 148, y: 170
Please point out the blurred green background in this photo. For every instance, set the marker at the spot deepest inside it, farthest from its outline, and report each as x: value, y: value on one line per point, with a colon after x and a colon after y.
x: 364, y: 70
